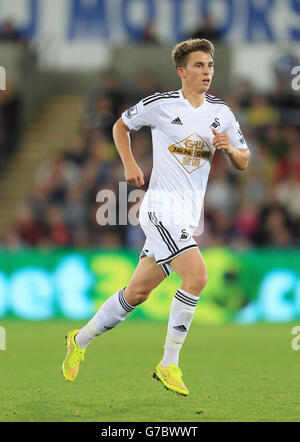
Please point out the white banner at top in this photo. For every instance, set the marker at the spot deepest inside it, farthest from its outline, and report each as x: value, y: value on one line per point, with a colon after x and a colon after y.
x: 115, y: 20
x: 65, y: 25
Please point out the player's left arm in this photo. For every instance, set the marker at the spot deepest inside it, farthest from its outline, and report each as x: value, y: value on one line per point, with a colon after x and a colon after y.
x: 233, y: 144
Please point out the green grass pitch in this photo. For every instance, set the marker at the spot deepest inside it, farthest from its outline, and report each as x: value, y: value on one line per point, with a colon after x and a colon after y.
x: 234, y: 373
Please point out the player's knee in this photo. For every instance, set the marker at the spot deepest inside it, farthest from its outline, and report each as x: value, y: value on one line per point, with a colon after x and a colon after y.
x: 135, y: 295
x: 203, y: 281
x: 142, y: 295
x: 196, y: 283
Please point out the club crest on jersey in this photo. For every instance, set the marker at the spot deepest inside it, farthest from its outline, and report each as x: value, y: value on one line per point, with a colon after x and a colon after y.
x: 131, y: 112
x: 192, y: 152
x: 215, y: 124
x: 185, y: 236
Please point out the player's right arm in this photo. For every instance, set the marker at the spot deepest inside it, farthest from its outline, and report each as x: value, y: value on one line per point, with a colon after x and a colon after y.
x: 144, y: 113
x: 132, y: 172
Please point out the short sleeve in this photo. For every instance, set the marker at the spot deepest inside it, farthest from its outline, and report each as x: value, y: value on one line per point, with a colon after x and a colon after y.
x: 140, y: 115
x: 235, y: 134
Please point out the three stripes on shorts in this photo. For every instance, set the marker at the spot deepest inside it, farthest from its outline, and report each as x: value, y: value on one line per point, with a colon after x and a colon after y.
x: 167, y: 239
x: 164, y: 233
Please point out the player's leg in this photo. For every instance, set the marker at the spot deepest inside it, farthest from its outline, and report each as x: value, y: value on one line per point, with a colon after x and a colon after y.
x: 113, y: 311
x: 145, y: 278
x: 191, y: 268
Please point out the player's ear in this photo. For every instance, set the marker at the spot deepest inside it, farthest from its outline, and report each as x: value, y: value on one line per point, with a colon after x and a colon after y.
x: 180, y: 71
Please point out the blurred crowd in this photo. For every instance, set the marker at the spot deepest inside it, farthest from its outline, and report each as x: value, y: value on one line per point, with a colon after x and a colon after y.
x: 10, y: 32
x: 256, y: 207
x: 10, y: 121
x: 11, y: 102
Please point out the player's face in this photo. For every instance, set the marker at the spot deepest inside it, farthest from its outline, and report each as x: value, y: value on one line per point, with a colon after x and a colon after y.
x: 198, y: 72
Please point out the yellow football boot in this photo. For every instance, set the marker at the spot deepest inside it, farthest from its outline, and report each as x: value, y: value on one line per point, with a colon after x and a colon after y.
x: 171, y: 377
x: 74, y: 356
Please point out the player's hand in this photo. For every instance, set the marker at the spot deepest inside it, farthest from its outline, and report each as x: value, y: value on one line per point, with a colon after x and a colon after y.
x: 134, y: 175
x: 221, y: 141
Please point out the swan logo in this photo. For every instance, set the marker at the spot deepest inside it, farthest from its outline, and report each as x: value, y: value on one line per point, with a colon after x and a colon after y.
x: 216, y: 123
x: 185, y: 236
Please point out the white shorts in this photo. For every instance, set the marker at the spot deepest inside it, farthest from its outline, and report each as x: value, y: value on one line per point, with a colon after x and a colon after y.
x: 164, y: 243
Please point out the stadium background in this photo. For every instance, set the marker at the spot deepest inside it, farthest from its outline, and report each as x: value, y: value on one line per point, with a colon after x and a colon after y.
x: 71, y: 68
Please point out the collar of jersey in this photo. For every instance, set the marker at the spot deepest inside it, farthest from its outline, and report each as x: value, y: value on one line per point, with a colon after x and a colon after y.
x: 186, y: 101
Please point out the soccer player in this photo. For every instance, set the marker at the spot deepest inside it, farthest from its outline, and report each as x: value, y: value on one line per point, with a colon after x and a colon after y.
x: 187, y: 125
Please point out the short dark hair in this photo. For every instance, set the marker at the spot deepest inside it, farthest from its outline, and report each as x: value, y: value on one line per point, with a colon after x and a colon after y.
x: 182, y: 50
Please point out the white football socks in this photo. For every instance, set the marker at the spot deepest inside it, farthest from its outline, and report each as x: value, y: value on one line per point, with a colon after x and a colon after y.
x: 181, y: 315
x: 115, y: 309
x: 111, y: 313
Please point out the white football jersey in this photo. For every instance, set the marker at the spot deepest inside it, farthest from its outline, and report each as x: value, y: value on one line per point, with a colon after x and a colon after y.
x: 182, y: 152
